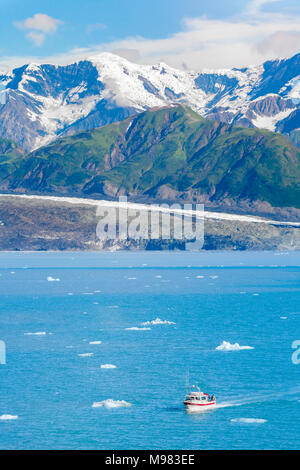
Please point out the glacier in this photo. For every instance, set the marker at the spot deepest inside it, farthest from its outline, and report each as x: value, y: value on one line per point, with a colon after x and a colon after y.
x: 47, y: 101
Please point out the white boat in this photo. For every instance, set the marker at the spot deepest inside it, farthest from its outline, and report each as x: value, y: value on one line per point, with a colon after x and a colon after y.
x: 196, y: 400
x: 199, y: 401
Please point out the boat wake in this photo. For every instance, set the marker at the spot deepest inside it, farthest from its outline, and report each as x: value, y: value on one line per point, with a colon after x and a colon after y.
x: 226, y: 404
x: 289, y: 395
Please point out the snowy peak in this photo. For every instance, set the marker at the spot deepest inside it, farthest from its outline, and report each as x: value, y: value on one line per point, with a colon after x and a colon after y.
x: 44, y: 101
x: 278, y: 77
x: 145, y: 86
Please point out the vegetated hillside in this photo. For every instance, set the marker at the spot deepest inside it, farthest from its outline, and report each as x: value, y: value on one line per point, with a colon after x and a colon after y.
x: 167, y: 153
x: 10, y: 156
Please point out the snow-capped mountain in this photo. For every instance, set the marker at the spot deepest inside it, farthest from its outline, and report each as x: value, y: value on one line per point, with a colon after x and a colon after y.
x: 43, y: 102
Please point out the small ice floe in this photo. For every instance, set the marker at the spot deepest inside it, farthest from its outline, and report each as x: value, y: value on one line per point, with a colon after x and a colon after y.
x: 113, y: 306
x: 96, y: 303
x: 12, y: 272
x: 110, y: 403
x: 8, y: 417
x: 226, y: 346
x: 70, y: 293
x: 131, y: 278
x: 137, y: 328
x: 53, y: 279
x: 86, y: 355
x: 38, y: 333
x: 200, y: 277
x: 283, y: 318
x: 158, y: 321
x: 69, y: 347
x: 249, y: 420
x: 108, y: 366
x: 214, y: 277
x: 158, y: 277
x: 95, y: 342
x: 255, y: 295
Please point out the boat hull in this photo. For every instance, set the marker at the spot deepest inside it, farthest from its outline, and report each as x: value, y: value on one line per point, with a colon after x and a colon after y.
x: 197, y: 407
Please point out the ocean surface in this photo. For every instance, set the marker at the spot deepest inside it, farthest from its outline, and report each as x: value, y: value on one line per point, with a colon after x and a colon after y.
x: 68, y: 318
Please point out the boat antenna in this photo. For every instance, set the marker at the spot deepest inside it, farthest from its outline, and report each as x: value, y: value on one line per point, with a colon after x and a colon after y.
x: 187, y: 380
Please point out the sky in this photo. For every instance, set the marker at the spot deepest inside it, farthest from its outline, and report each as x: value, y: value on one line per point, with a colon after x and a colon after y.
x: 187, y: 34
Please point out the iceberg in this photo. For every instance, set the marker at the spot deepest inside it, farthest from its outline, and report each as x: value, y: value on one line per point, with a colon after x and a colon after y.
x: 110, y: 403
x: 226, y: 346
x: 249, y: 420
x: 136, y: 328
x: 8, y: 417
x: 158, y: 321
x: 38, y: 333
x: 53, y: 279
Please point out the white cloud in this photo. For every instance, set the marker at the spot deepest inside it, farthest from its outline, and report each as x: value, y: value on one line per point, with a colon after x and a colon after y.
x: 210, y: 43
x: 37, y: 38
x: 281, y: 43
x: 255, y: 35
x: 38, y: 26
x: 255, y: 6
x: 40, y: 22
x: 132, y: 55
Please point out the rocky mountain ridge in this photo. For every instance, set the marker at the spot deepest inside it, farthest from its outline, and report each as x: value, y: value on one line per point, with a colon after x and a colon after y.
x: 47, y: 101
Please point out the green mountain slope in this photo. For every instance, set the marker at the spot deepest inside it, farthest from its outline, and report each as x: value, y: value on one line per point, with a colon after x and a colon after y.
x: 9, y: 158
x: 163, y: 152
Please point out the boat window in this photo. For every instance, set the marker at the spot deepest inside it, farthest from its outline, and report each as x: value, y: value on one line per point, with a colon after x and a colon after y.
x: 203, y: 398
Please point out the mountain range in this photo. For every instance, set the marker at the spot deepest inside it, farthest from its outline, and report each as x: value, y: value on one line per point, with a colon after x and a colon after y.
x: 169, y: 154
x: 46, y: 101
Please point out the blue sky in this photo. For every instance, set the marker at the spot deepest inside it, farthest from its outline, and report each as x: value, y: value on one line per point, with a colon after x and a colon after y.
x: 183, y: 33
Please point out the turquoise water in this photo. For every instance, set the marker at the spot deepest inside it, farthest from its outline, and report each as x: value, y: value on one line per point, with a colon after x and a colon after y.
x: 249, y: 298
